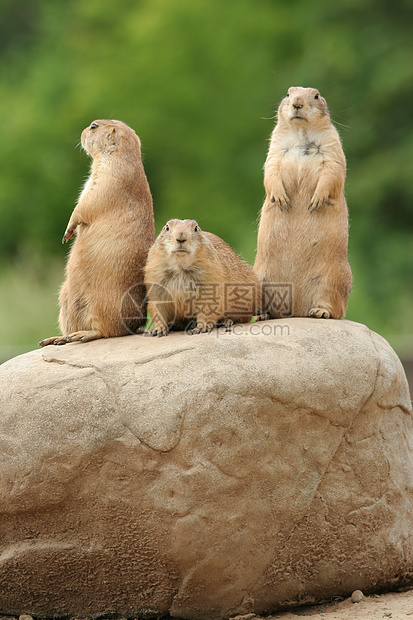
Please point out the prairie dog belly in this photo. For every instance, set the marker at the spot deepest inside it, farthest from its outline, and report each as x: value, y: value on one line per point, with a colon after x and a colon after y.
x: 300, y: 158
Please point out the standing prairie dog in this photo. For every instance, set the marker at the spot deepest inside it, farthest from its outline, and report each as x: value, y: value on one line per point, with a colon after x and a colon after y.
x: 103, y: 294
x: 195, y: 277
x: 303, y: 231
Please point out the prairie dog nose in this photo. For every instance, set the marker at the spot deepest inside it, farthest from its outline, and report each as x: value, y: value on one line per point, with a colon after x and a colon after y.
x: 297, y: 103
x: 180, y: 237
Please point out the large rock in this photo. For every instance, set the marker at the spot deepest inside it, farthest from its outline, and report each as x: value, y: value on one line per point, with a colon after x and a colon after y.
x: 205, y: 476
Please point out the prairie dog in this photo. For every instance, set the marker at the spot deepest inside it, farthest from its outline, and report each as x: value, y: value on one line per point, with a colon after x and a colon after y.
x: 194, y: 279
x: 303, y: 230
x: 103, y: 294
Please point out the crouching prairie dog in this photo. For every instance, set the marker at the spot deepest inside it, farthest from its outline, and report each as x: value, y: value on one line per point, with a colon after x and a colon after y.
x: 303, y: 230
x: 195, y: 280
x: 103, y: 294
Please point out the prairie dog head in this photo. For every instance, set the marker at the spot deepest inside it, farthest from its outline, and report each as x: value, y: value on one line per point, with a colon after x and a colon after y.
x: 303, y: 107
x: 180, y: 240
x: 103, y: 137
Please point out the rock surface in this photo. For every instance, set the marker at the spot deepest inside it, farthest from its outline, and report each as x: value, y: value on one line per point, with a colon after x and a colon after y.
x: 205, y: 476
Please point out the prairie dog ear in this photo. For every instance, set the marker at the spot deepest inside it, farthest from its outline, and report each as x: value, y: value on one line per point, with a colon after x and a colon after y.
x: 113, y: 137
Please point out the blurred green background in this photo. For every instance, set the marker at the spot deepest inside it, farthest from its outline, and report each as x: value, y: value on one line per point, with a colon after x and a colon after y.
x: 199, y: 81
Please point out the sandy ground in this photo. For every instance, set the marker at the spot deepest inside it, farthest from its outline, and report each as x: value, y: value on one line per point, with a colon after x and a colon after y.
x: 394, y: 605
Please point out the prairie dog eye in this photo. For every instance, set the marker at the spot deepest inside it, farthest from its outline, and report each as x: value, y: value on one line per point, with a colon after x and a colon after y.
x: 288, y: 94
x: 317, y: 96
x: 94, y: 126
x: 196, y: 228
x: 166, y: 227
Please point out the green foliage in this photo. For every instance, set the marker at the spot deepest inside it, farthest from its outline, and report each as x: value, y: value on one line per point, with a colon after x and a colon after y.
x: 200, y: 83
x: 29, y: 303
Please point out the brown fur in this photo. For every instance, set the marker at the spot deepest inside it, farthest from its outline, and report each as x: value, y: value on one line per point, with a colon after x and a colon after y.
x: 103, y: 294
x: 303, y: 231
x: 194, y: 276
